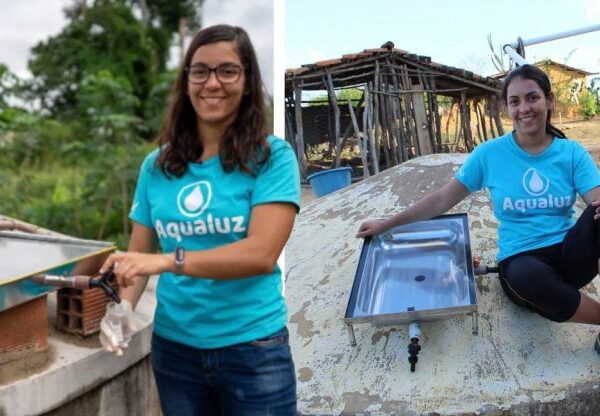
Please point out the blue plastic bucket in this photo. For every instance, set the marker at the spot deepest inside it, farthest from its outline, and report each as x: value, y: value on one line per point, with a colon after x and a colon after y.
x: 328, y: 181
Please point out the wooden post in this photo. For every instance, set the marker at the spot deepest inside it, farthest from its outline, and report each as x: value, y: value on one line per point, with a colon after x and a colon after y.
x: 481, y: 115
x: 423, y: 138
x: 368, y: 128
x: 375, y: 115
x: 436, y: 115
x: 496, y: 115
x: 389, y: 109
x: 348, y: 130
x: 397, y: 121
x: 465, y: 121
x: 299, y: 132
x: 398, y: 116
x: 336, y: 115
x: 384, y: 126
x: 361, y: 145
x: 410, y: 119
x: 428, y: 109
x: 457, y: 126
x: 289, y: 130
x: 488, y: 105
x: 480, y: 135
x: 448, y: 121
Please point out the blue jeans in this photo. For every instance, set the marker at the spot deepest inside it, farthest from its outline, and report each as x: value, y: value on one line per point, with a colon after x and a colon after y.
x: 253, y: 378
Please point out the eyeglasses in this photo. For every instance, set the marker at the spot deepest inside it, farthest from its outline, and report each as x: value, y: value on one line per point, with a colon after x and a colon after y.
x: 226, y: 73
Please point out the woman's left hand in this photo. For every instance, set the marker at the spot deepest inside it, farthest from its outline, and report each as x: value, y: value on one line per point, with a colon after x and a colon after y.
x: 127, y: 266
x: 596, y: 204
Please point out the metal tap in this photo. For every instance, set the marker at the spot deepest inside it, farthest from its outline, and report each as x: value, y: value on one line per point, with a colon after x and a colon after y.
x: 102, y: 281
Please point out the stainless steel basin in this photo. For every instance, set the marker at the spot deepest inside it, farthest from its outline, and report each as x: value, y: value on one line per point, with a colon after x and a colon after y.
x: 420, y: 271
x: 23, y: 255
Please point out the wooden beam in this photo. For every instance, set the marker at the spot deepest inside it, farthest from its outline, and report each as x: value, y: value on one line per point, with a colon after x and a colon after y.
x: 368, y: 128
x: 336, y: 116
x: 488, y: 104
x: 466, y: 121
x: 299, y: 131
x: 389, y: 111
x: 450, y: 76
x: 359, y: 140
x: 423, y: 138
x: 349, y: 66
x: 377, y: 130
x: 437, y: 116
x: 397, y: 115
x: 496, y: 115
x: 481, y: 115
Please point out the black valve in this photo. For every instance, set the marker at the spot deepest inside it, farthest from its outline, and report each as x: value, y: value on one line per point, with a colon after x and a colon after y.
x: 413, y: 351
x: 104, y: 281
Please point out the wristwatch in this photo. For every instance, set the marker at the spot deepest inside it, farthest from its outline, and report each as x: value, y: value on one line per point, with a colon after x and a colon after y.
x: 179, y: 259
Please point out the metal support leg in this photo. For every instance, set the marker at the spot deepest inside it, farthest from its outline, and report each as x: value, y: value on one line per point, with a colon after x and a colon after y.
x: 475, y: 322
x: 351, y: 334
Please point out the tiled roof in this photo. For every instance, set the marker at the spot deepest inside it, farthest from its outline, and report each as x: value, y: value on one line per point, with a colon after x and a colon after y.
x: 424, y: 62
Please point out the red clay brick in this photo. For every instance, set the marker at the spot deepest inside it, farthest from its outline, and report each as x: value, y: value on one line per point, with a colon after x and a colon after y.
x: 80, y: 311
x: 24, y: 329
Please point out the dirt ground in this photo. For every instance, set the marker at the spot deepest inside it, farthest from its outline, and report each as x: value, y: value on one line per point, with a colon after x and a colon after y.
x: 587, y: 133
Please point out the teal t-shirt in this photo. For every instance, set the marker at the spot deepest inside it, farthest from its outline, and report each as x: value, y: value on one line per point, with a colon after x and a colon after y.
x: 204, y: 209
x: 532, y: 196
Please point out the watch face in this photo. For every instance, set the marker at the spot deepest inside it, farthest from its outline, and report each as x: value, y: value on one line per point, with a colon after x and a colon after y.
x: 179, y: 256
x: 179, y: 259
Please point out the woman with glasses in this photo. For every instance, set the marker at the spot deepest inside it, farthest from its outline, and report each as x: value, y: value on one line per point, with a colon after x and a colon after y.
x: 220, y: 196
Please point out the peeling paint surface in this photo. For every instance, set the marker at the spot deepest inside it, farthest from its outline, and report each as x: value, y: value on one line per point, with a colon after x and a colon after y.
x: 517, y: 359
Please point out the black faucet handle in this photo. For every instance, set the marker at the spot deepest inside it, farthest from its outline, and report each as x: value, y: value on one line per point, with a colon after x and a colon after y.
x: 104, y: 283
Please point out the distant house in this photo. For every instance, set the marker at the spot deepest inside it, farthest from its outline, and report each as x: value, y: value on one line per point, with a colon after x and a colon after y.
x: 568, y: 83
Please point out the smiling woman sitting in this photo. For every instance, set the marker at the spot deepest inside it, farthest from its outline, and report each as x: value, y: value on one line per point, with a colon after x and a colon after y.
x: 533, y: 175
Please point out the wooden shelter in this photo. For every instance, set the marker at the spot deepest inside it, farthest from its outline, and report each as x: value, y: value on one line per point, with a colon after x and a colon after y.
x: 398, y: 116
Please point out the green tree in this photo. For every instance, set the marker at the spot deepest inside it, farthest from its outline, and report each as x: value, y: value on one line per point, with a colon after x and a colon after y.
x: 588, y: 104
x: 8, y: 83
x: 70, y: 161
x: 105, y: 36
x: 342, y: 96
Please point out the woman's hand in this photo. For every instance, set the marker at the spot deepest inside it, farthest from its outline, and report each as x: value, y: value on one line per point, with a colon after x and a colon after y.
x: 127, y: 266
x: 371, y: 227
x: 592, y: 197
x: 596, y: 204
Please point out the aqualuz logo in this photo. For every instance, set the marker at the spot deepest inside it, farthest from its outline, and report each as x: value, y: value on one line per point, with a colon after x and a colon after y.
x: 537, y: 186
x: 535, y: 183
x: 193, y: 199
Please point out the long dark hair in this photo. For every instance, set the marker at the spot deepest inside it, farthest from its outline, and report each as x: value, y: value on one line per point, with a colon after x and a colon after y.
x: 541, y: 79
x: 244, y: 144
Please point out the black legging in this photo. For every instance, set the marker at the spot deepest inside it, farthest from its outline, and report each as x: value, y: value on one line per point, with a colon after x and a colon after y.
x: 547, y: 280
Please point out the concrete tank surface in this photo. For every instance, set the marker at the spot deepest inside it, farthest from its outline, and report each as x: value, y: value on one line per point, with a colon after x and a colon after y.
x: 519, y: 363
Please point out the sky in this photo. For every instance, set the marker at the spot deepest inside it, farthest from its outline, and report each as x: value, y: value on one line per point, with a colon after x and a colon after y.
x: 25, y: 23
x: 452, y: 33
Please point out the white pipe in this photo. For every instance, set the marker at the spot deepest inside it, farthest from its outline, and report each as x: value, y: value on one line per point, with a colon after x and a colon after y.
x: 414, y: 330
x: 561, y: 35
x: 508, y: 49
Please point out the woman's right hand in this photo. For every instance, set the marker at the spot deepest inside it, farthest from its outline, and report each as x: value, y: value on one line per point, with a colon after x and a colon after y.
x: 371, y: 227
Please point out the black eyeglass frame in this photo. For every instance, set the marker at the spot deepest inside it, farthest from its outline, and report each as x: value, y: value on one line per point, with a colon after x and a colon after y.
x: 188, y: 70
